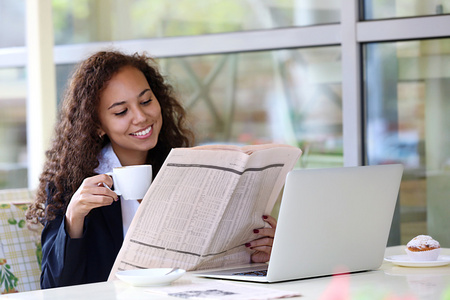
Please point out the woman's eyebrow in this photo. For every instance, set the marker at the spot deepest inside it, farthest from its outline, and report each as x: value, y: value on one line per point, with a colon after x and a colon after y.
x: 117, y: 104
x: 143, y: 92
x: 123, y: 102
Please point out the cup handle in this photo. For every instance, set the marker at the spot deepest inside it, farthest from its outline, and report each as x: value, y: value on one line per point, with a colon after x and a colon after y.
x: 114, y: 187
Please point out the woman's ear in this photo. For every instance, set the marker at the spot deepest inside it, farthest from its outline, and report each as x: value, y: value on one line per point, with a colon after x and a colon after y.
x: 100, y: 133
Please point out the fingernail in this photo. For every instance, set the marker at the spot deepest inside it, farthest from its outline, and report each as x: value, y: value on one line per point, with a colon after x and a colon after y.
x: 255, y: 231
x: 247, y: 245
x: 265, y: 217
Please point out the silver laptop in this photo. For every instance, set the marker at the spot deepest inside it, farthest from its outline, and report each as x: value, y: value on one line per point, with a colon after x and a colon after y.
x: 331, y: 221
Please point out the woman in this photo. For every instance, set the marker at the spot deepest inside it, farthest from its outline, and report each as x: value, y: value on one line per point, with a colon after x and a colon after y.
x: 117, y: 111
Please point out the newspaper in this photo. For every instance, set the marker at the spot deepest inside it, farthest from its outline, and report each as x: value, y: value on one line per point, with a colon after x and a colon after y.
x: 218, y: 289
x: 203, y: 205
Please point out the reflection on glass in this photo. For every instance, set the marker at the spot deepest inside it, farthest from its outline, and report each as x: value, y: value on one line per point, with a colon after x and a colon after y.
x: 12, y: 23
x: 406, y: 97
x: 385, y: 9
x: 84, y: 21
x: 284, y: 96
x: 13, y: 151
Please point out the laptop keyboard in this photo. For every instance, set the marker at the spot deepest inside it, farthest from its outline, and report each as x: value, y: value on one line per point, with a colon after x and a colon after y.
x: 252, y: 273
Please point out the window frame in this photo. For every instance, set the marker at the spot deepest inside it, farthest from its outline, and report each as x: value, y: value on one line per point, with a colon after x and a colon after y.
x: 351, y: 34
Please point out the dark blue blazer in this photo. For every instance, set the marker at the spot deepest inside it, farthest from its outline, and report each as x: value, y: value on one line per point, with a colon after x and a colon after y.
x: 89, y: 259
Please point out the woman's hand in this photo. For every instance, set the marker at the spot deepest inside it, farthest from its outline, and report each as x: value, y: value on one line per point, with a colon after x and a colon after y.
x: 263, y: 244
x: 91, y: 194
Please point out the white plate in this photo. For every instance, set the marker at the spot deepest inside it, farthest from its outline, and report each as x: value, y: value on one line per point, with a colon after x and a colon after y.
x: 405, y: 261
x: 149, y: 277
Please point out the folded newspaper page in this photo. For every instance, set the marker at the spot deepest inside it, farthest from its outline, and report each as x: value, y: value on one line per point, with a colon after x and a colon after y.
x: 203, y: 205
x: 219, y: 289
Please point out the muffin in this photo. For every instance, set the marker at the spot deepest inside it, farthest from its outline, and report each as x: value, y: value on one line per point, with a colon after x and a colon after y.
x: 423, y: 248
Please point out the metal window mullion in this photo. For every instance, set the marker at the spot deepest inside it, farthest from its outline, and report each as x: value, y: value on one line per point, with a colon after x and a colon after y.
x: 403, y: 29
x: 14, y: 57
x: 258, y: 40
x: 351, y: 86
x: 41, y: 89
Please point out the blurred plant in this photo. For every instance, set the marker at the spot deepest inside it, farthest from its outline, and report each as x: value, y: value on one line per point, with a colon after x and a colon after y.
x: 8, y: 280
x: 446, y: 294
x: 39, y: 254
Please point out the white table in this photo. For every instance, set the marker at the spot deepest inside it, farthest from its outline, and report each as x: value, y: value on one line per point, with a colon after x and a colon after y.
x: 421, y: 283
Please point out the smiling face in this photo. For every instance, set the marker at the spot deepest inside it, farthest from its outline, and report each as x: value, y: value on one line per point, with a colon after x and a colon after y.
x: 130, y: 115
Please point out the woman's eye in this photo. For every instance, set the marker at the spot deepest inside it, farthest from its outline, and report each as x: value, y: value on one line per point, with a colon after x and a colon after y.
x: 147, y: 102
x: 121, y: 113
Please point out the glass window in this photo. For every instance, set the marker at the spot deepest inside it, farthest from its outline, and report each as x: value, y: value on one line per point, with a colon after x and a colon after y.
x: 406, y: 97
x: 12, y: 23
x: 13, y: 144
x: 283, y: 96
x: 385, y: 9
x: 85, y: 21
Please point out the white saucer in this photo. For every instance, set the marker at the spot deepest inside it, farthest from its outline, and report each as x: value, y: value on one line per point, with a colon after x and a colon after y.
x: 405, y: 261
x: 149, y: 277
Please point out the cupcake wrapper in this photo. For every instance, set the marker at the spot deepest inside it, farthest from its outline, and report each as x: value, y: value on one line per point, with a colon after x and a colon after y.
x: 428, y: 255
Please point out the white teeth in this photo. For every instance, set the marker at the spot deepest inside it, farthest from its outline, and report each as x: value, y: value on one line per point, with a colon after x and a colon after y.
x: 143, y: 132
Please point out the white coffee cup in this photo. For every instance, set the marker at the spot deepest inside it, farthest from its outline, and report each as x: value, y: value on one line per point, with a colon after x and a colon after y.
x: 131, y: 182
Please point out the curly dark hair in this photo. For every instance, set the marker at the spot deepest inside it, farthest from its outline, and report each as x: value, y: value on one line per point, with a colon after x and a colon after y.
x: 73, y: 155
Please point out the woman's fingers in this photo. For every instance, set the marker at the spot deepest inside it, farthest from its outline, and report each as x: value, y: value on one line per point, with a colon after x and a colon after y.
x: 103, y: 190
x: 271, y: 220
x: 263, y: 246
x: 267, y: 231
x: 260, y: 257
x: 104, y: 182
x: 92, y: 200
x: 91, y: 194
x: 262, y: 249
x: 262, y: 242
x: 99, y: 185
x: 267, y: 234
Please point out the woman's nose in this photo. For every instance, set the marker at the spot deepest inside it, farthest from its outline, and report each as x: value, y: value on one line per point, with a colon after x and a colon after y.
x: 139, y: 115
